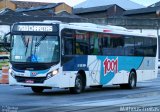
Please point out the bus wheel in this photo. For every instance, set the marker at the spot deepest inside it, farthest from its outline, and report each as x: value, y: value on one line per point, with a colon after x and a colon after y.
x: 79, y: 87
x: 37, y: 89
x: 132, y: 82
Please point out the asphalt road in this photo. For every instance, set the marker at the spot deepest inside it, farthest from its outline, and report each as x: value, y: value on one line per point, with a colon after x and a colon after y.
x: 146, y: 96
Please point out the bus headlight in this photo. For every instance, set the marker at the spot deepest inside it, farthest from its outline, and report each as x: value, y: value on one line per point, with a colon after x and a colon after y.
x: 53, y: 73
x: 12, y: 73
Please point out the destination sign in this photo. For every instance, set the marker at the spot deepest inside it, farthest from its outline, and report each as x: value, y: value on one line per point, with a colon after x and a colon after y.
x: 35, y: 28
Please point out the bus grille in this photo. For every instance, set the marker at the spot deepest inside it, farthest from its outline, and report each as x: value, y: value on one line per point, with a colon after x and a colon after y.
x: 34, y: 79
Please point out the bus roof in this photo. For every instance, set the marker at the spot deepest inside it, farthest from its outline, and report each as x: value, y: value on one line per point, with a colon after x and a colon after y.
x: 93, y: 27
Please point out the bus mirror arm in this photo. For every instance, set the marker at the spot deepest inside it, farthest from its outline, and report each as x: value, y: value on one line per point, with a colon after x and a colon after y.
x: 6, y: 43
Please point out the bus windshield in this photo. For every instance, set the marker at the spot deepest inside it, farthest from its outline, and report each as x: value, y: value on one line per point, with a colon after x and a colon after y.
x: 35, y: 49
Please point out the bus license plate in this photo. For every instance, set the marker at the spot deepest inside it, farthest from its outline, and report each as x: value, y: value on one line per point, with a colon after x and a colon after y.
x: 29, y: 81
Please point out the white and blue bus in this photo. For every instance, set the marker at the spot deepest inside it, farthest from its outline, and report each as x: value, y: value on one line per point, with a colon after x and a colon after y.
x: 52, y: 54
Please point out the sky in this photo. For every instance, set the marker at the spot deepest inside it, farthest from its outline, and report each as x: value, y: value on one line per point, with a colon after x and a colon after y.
x: 75, y: 2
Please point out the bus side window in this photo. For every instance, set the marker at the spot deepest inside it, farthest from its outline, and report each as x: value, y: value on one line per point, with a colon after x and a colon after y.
x: 95, y: 44
x: 68, y: 42
x: 68, y: 46
x: 149, y: 47
x: 78, y: 49
x: 106, y: 45
x: 82, y: 42
x: 113, y: 45
x: 129, y: 45
x: 154, y: 46
x: 139, y: 49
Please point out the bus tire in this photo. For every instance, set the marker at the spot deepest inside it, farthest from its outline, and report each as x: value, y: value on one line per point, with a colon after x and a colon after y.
x: 37, y: 89
x: 79, y: 86
x: 132, y: 81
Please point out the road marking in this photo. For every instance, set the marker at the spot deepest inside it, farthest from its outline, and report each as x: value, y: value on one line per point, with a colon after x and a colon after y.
x: 17, y: 89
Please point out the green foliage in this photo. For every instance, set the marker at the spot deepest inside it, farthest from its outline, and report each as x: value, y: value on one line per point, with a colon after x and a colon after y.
x: 4, y: 63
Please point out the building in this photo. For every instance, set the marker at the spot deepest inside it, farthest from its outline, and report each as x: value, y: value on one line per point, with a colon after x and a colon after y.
x: 27, y: 4
x: 125, y: 4
x: 34, y: 8
x: 46, y: 10
x: 19, y: 4
x: 149, y: 12
x: 155, y: 4
x: 7, y: 4
x: 54, y: 11
x: 100, y: 11
x: 152, y: 11
x: 59, y: 11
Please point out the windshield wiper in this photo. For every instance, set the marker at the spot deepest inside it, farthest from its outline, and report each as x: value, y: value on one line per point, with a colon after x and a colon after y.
x: 23, y: 39
x: 26, y: 46
x: 41, y: 39
x: 38, y: 43
x: 25, y: 43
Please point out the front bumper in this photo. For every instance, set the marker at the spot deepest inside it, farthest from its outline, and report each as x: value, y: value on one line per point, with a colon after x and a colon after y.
x: 37, y: 81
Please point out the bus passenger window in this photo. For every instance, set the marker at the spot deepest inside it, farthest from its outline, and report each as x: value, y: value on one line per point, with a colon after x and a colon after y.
x: 82, y: 42
x: 68, y: 42
x: 94, y: 44
x: 149, y: 47
x: 138, y: 43
x: 68, y: 48
x: 129, y: 45
x: 78, y: 49
x: 113, y: 45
